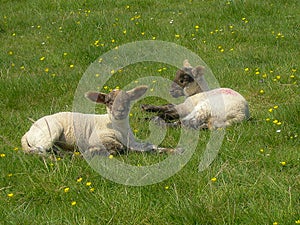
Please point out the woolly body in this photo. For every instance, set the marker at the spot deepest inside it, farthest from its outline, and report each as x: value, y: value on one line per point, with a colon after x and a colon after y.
x: 216, y: 108
x: 68, y: 130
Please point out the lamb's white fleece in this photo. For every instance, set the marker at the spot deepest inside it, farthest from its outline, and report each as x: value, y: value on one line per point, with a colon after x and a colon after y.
x: 91, y: 133
x: 68, y: 130
x: 215, y: 108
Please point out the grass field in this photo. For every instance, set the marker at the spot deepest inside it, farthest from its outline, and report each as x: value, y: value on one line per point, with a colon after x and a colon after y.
x: 251, y: 46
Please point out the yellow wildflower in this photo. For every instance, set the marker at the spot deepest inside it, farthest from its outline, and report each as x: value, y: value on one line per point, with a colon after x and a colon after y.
x: 73, y: 203
x: 214, y: 179
x: 283, y: 163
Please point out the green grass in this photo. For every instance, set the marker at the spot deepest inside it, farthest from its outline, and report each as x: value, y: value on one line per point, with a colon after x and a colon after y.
x: 252, y: 186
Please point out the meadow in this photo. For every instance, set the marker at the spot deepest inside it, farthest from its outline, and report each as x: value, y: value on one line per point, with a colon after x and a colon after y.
x: 251, y: 46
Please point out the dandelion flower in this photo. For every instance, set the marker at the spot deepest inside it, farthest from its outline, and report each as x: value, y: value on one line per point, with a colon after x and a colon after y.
x: 268, y: 119
x: 67, y: 189
x: 110, y: 156
x: 76, y: 153
x: 275, y: 223
x: 214, y: 179
x: 261, y: 150
x: 246, y: 69
x: 73, y: 203
x: 10, y: 195
x: 297, y: 221
x: 71, y: 66
x: 177, y: 36
x: 283, y: 163
x: 88, y: 183
x: 167, y: 187
x: 92, y: 189
x: 275, y: 107
x: 2, y: 155
x: 261, y: 92
x: 42, y: 58
x: 79, y: 179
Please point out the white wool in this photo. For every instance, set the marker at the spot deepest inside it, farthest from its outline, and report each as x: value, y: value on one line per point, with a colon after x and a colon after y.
x: 215, y: 108
x: 89, y: 132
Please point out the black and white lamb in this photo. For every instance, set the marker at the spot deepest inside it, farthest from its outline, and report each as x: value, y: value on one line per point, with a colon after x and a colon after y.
x: 202, y: 108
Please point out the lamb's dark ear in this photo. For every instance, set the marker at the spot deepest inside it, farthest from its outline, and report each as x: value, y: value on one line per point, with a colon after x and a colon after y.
x: 198, y: 71
x: 95, y: 96
x: 137, y: 92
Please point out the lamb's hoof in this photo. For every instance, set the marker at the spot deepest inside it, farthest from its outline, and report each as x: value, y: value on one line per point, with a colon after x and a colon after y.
x: 161, y: 150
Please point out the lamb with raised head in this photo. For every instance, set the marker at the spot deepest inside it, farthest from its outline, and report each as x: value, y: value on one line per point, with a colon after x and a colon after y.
x: 102, y: 134
x: 203, y: 108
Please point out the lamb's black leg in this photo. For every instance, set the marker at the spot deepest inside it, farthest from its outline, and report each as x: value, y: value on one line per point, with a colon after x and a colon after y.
x: 154, y: 108
x: 166, y: 112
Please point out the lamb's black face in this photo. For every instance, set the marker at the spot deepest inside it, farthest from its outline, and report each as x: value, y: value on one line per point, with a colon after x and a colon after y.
x: 182, y: 79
